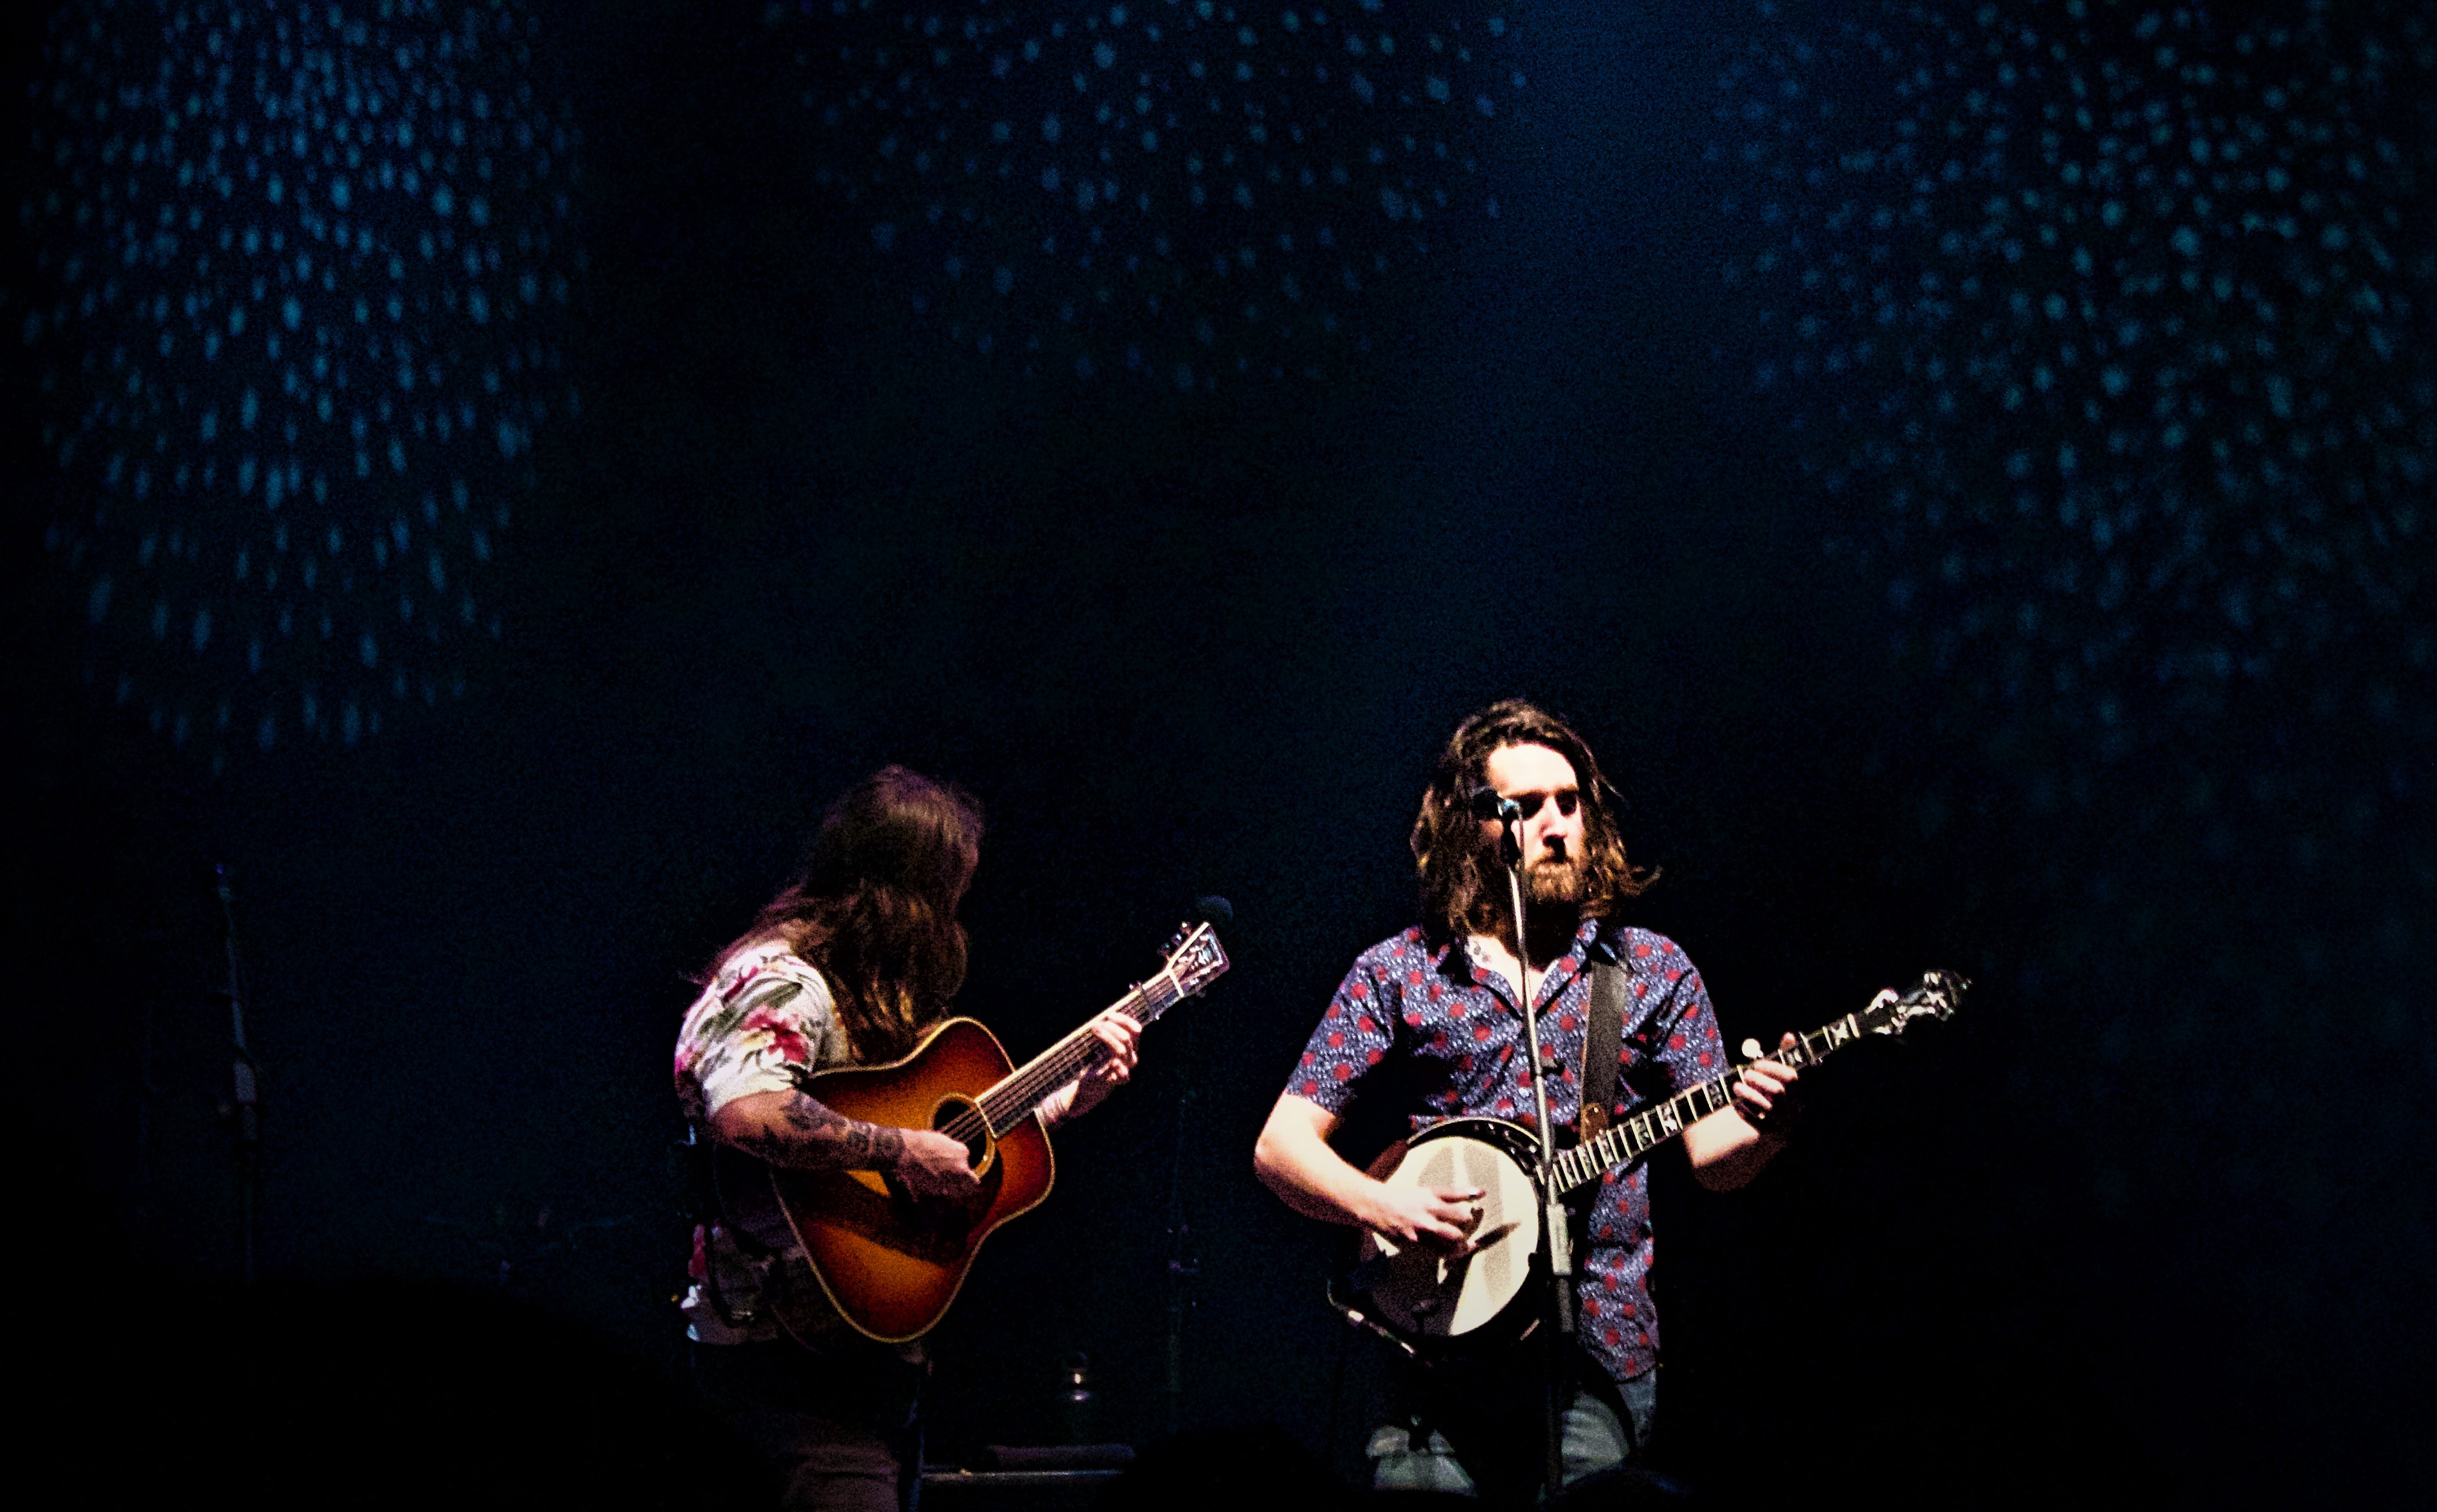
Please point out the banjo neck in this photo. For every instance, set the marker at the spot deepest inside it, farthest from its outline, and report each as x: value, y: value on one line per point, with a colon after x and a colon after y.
x: 1631, y: 1138
x: 1422, y: 1294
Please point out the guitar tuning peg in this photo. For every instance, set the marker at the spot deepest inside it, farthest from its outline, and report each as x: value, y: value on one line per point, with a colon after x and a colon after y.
x: 1751, y: 1049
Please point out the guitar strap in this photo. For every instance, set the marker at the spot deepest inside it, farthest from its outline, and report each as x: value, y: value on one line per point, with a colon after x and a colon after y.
x: 1602, y: 1043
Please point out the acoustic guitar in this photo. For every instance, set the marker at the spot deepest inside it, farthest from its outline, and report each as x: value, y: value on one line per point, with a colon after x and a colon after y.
x: 889, y: 1263
x: 1424, y: 1298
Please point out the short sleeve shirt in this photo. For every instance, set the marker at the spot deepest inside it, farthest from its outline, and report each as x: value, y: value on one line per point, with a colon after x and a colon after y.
x: 1425, y: 1023
x: 766, y: 1017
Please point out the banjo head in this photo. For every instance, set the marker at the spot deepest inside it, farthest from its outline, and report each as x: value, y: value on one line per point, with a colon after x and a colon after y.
x: 1419, y: 1288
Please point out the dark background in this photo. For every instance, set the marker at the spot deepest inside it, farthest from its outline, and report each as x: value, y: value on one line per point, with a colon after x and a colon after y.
x: 2153, y: 1207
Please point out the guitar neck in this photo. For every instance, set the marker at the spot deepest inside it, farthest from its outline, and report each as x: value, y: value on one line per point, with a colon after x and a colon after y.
x: 1023, y: 1089
x: 1657, y: 1124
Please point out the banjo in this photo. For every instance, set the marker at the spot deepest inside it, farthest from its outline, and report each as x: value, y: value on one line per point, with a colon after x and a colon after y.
x: 1421, y: 1296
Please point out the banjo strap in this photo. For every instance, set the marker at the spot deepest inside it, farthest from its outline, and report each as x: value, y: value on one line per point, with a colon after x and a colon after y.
x: 1601, y: 1046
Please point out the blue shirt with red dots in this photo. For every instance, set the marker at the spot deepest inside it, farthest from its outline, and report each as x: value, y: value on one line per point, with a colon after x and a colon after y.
x: 1425, y: 1024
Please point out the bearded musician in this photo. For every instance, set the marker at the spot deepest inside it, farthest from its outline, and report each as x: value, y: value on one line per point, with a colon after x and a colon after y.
x: 849, y: 965
x: 1431, y: 1016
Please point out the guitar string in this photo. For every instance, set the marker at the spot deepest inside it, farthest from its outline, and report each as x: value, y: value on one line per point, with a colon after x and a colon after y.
x: 1000, y: 1106
x: 1069, y: 1058
x: 1061, y: 1064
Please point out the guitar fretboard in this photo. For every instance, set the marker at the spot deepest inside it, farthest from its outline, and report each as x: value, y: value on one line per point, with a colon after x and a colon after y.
x: 1008, y: 1103
x: 1661, y: 1121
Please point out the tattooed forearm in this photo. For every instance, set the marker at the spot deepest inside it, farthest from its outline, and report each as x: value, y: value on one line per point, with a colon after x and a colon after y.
x: 806, y: 1135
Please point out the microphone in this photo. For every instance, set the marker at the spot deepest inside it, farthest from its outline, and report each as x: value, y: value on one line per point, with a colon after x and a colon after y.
x: 1214, y: 909
x: 1486, y: 804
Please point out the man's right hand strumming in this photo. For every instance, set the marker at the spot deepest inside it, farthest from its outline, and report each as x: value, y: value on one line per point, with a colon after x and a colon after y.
x: 1294, y: 1158
x: 933, y: 1165
x: 1406, y: 1214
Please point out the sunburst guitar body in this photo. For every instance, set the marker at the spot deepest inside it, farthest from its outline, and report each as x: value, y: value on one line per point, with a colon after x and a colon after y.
x: 886, y: 1262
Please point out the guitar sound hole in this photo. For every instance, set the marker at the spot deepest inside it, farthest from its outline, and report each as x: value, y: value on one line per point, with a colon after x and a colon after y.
x: 979, y: 1147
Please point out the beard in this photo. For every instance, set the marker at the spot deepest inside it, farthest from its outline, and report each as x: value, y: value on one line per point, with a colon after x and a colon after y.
x: 1556, y: 882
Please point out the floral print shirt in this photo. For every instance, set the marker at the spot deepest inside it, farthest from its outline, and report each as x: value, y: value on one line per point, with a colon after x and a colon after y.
x: 1433, y: 1027
x: 766, y: 1018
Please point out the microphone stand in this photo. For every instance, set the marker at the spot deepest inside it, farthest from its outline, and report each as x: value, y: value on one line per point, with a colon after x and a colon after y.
x: 245, y: 1117
x: 1182, y: 1265
x: 1553, y: 1221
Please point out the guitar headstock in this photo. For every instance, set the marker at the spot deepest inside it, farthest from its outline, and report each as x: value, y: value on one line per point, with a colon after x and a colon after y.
x: 1195, y: 958
x: 1937, y: 995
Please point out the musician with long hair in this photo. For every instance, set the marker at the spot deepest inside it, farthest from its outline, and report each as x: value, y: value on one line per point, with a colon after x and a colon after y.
x: 1431, y: 1017
x: 849, y: 965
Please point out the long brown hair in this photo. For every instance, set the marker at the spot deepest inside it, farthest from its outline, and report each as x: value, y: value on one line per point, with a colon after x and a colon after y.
x: 875, y: 905
x: 1457, y: 896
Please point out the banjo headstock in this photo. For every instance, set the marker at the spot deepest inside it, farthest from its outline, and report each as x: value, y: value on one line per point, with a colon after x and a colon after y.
x: 1937, y: 995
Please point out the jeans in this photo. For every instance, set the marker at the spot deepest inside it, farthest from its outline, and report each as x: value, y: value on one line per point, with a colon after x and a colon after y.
x: 831, y: 1429
x: 1496, y: 1447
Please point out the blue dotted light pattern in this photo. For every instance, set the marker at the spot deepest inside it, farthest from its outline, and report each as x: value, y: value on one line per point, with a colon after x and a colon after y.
x: 2117, y: 318
x: 298, y: 268
x: 1175, y: 189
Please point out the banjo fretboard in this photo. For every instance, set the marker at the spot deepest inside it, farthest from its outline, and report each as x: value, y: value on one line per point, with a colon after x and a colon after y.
x: 1655, y: 1125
